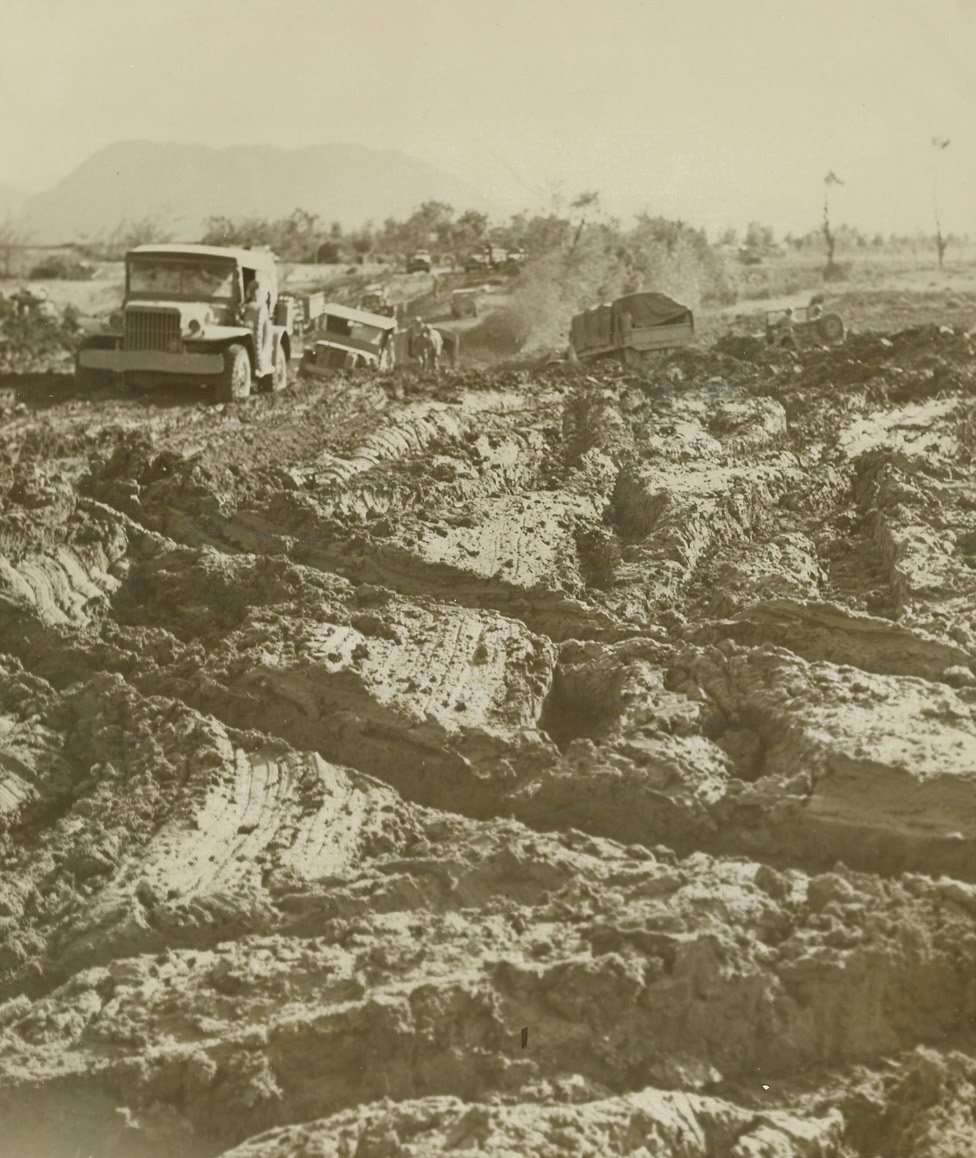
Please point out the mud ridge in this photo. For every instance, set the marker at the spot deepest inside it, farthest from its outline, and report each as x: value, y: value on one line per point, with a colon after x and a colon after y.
x: 574, y: 760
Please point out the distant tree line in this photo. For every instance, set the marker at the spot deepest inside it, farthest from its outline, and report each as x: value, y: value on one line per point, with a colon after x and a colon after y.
x: 436, y: 226
x: 305, y: 237
x: 574, y: 229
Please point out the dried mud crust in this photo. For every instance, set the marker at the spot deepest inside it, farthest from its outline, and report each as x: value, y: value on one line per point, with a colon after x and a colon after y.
x: 347, y: 732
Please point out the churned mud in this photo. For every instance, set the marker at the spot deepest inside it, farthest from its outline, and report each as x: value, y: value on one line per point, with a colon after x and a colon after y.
x: 571, y: 761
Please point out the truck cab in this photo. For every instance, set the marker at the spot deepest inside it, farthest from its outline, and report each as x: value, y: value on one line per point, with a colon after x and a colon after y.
x: 182, y: 319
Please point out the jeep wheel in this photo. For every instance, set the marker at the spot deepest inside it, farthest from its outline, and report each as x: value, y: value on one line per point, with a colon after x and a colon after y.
x: 830, y: 328
x: 234, y: 383
x: 279, y: 379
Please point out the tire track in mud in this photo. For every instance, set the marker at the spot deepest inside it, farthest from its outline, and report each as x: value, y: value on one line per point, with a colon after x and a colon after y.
x: 236, y: 706
x: 223, y: 925
x: 659, y: 941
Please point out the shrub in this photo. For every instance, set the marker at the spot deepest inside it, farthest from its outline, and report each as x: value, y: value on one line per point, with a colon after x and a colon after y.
x: 57, y: 266
x: 606, y: 263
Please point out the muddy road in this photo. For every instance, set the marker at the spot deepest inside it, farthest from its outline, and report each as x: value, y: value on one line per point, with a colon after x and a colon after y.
x: 347, y: 733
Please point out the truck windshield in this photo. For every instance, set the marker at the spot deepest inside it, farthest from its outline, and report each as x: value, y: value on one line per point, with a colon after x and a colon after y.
x: 154, y: 277
x: 366, y: 333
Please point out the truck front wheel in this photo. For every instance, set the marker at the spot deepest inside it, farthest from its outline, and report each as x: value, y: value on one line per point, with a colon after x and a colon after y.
x: 234, y: 383
x: 279, y: 379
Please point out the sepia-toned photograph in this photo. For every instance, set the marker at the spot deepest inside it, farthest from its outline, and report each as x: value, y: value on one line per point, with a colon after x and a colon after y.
x: 488, y: 579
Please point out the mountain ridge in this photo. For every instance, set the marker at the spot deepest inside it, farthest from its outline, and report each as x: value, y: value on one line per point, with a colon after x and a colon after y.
x: 180, y: 185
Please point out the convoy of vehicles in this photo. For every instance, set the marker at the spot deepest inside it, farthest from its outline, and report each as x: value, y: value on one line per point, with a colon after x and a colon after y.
x: 632, y: 327
x: 182, y: 319
x: 496, y: 259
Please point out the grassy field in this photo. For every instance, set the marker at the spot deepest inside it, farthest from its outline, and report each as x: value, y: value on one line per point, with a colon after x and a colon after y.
x: 881, y: 291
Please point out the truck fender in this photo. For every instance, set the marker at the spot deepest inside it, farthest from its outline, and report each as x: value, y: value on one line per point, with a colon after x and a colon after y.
x: 102, y: 341
x: 239, y: 338
x: 227, y: 334
x: 282, y: 338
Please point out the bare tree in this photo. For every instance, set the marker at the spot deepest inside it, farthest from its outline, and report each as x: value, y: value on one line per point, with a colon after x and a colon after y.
x: 940, y: 145
x: 584, y: 203
x: 829, y: 238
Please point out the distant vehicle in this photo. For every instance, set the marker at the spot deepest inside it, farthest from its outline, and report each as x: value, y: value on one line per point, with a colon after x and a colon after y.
x: 495, y: 257
x: 374, y: 300
x: 420, y: 262
x: 33, y: 303
x: 804, y: 325
x: 348, y: 339
x: 632, y: 327
x: 181, y: 320
x: 464, y: 302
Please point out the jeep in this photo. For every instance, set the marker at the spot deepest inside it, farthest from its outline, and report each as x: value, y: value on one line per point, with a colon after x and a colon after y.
x: 348, y: 339
x: 182, y: 320
x: 804, y: 326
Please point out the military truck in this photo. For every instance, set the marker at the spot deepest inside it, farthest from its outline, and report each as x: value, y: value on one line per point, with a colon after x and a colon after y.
x: 631, y: 328
x: 182, y: 321
x: 465, y: 302
x: 376, y: 300
x: 495, y: 258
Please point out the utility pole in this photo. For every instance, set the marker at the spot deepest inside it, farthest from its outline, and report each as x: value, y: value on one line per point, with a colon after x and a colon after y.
x: 940, y: 144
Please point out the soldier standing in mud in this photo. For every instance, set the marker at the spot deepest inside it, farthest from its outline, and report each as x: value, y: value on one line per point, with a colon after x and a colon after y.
x: 414, y: 334
x: 257, y: 318
x: 429, y: 346
x: 785, y: 328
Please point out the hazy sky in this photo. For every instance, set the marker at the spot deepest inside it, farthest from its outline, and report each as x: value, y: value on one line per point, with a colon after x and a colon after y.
x: 715, y: 111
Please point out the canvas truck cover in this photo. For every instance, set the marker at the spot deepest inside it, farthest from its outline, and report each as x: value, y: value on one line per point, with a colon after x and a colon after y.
x: 655, y: 320
x: 650, y: 309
